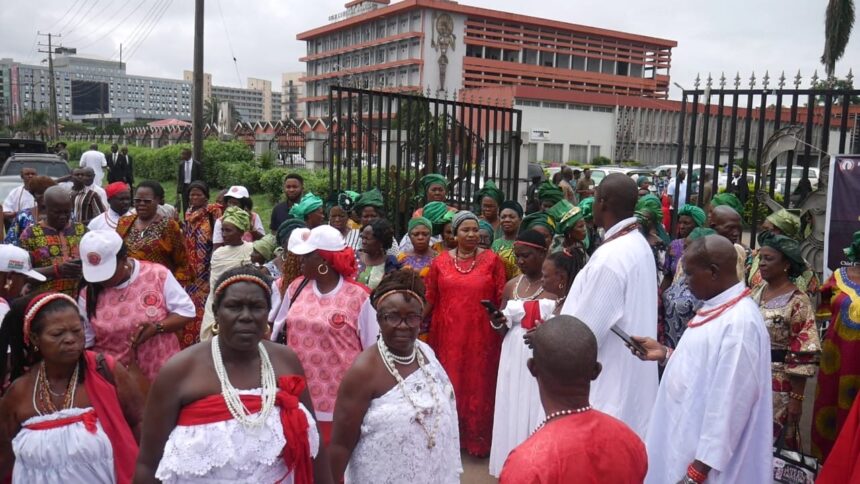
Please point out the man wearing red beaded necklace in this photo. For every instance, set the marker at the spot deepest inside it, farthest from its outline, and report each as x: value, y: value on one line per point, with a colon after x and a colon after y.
x: 575, y: 443
x: 618, y: 287
x: 712, y: 418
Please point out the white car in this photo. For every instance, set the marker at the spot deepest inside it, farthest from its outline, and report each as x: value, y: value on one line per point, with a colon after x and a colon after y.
x: 796, y: 176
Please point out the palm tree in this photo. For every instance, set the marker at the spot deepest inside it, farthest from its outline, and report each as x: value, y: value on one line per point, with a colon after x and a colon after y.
x: 838, y: 21
x: 212, y: 108
x: 33, y: 123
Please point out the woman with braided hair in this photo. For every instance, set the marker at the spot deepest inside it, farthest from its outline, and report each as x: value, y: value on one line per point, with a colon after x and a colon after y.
x: 70, y: 415
x: 396, y: 417
x: 235, y: 408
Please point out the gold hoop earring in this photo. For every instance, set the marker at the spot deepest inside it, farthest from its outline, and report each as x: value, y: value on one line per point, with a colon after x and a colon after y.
x: 215, y: 328
x: 320, y: 269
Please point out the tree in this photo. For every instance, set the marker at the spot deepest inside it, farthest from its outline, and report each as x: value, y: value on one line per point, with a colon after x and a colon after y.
x: 840, y: 84
x: 34, y: 123
x: 838, y: 21
x: 212, y: 108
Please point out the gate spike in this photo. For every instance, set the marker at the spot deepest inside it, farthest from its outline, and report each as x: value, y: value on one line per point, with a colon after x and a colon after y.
x: 797, y: 80
x: 850, y: 76
x: 737, y: 80
x: 814, y: 78
x: 766, y: 79
x: 697, y: 82
x: 454, y: 95
x: 428, y: 91
x: 752, y: 80
x: 782, y: 80
x: 722, y: 80
x: 709, y: 82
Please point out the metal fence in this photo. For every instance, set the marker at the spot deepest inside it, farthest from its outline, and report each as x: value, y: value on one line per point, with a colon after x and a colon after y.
x: 771, y: 147
x: 390, y: 140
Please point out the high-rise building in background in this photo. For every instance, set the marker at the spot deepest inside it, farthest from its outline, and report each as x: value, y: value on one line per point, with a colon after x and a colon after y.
x: 442, y: 46
x: 292, y: 91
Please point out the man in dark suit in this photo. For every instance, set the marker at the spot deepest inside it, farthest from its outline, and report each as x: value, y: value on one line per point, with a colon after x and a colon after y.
x: 188, y: 171
x: 111, y: 160
x: 121, y: 168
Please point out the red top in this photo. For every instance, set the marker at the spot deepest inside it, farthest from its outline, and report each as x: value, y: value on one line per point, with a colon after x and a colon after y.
x: 585, y: 447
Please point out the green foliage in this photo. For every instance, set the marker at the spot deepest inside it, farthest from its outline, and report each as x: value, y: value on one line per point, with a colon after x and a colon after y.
x: 763, y: 210
x: 573, y: 163
x: 266, y: 161
x: 601, y: 161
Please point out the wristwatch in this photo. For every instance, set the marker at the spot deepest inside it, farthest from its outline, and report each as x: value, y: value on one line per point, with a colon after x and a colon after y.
x: 159, y: 328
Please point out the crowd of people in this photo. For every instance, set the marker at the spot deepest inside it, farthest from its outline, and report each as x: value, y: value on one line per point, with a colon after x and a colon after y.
x: 148, y: 342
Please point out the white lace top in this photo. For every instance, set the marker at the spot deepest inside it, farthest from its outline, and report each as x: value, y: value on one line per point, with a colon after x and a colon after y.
x: 392, y: 447
x: 64, y: 454
x: 227, y: 452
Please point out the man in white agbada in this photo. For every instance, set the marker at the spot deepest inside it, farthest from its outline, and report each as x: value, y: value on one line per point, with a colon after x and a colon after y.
x: 95, y: 159
x: 713, y: 416
x: 618, y: 287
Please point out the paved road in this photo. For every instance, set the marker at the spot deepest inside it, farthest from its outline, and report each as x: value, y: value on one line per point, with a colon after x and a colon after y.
x: 475, y: 471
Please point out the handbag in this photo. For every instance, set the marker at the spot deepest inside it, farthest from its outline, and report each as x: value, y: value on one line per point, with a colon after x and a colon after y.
x: 793, y: 466
x: 282, y: 336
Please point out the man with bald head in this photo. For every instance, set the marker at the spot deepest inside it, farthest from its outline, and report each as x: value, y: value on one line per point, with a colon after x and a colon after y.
x: 728, y: 223
x: 575, y: 442
x: 53, y: 244
x: 713, y: 415
x: 618, y: 287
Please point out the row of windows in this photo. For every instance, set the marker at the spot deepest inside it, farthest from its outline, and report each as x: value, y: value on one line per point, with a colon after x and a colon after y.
x: 405, y: 49
x: 555, y: 152
x: 557, y: 105
x: 365, y: 33
x: 379, y: 79
x: 560, y: 61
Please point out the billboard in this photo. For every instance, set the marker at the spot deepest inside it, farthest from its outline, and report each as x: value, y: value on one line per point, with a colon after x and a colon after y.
x: 843, y: 210
x: 90, y: 97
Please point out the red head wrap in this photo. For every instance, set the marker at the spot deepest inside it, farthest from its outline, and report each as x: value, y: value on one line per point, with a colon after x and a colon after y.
x: 115, y: 189
x: 342, y: 261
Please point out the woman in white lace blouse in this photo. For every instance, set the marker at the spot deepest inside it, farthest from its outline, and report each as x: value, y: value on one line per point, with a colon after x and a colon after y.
x: 395, y: 420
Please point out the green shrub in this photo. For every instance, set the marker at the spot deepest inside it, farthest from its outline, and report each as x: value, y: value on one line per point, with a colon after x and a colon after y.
x: 601, y: 161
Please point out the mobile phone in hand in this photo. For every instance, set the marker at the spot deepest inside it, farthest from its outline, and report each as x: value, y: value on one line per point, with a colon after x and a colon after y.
x: 628, y: 340
x: 491, y: 308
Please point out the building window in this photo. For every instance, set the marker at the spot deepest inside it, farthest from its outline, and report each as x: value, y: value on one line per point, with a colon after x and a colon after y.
x: 608, y: 67
x: 593, y: 65
x: 547, y: 59
x: 623, y: 69
x: 493, y: 53
x: 510, y: 56
x: 530, y: 57
x: 578, y: 63
x: 533, y: 153
x: 552, y: 152
x: 578, y: 153
x: 595, y: 151
x: 474, y: 51
x: 562, y: 61
x: 635, y: 70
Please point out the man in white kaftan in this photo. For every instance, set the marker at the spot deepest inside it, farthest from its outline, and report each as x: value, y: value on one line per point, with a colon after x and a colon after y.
x: 714, y: 408
x: 618, y: 286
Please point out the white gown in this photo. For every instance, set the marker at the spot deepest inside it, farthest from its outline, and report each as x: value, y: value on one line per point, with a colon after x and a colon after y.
x: 392, y: 448
x: 61, y: 455
x: 227, y: 452
x: 714, y: 403
x: 518, y: 408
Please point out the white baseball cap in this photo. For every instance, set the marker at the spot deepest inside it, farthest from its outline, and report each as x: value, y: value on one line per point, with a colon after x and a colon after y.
x: 237, y: 191
x: 16, y: 259
x: 98, y: 254
x: 324, y: 237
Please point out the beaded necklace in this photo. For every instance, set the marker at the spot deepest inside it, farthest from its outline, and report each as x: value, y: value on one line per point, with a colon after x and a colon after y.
x: 527, y: 298
x: 389, y: 360
x: 43, y: 388
x: 714, y: 313
x: 457, y: 258
x: 231, y: 396
x: 561, y: 413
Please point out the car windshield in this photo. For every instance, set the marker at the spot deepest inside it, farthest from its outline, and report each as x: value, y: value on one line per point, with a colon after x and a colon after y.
x: 597, y: 176
x: 44, y: 168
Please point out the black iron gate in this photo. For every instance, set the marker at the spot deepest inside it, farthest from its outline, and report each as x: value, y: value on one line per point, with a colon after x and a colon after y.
x: 390, y: 140
x: 775, y: 143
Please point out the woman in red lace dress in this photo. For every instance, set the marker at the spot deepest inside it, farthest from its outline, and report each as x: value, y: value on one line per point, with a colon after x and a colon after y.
x: 460, y: 331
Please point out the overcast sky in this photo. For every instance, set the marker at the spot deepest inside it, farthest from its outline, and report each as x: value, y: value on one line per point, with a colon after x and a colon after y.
x: 714, y: 36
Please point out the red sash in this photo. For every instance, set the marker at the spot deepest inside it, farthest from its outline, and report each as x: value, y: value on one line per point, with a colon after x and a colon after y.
x: 88, y: 418
x: 104, y: 398
x: 532, y: 317
x: 297, y: 453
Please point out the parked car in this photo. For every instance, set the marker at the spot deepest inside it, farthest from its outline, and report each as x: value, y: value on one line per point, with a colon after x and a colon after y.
x: 45, y: 165
x: 796, y: 176
x: 11, y: 146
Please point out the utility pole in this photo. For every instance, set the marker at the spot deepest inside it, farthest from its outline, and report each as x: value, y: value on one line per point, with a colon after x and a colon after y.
x: 53, y: 87
x: 197, y: 86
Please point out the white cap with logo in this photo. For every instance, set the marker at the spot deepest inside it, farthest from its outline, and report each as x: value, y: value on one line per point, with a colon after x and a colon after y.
x: 16, y: 259
x: 237, y: 191
x: 98, y: 254
x: 324, y: 237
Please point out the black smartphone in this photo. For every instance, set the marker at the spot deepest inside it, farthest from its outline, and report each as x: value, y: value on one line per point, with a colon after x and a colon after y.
x: 627, y: 339
x: 491, y: 308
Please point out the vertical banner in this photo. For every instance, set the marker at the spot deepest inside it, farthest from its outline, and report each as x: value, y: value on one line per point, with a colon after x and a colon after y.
x: 843, y: 210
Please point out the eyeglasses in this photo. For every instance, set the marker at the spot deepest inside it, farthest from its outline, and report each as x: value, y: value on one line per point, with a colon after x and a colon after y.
x: 394, y: 319
x: 143, y: 201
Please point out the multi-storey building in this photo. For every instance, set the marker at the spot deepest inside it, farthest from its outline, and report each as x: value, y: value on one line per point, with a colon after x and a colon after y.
x: 443, y: 46
x: 292, y: 90
x: 93, y: 89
